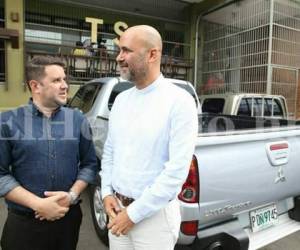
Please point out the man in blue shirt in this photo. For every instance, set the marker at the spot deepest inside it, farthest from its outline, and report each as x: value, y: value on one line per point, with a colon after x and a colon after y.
x: 149, y: 147
x: 47, y: 159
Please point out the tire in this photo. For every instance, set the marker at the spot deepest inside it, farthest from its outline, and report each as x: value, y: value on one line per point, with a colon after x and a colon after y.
x: 100, y: 219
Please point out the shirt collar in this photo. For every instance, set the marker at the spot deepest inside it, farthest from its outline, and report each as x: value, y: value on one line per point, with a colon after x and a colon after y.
x: 35, y: 110
x: 151, y: 86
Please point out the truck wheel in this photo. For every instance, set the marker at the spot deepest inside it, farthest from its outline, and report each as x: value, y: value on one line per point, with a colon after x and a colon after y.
x: 100, y: 219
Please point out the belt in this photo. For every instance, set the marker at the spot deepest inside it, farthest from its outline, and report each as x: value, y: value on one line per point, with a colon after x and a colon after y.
x: 126, y: 201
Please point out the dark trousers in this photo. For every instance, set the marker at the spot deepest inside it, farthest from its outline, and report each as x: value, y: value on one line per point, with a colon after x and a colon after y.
x: 23, y: 232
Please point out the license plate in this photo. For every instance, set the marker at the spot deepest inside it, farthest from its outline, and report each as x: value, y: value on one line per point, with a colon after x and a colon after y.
x: 264, y: 217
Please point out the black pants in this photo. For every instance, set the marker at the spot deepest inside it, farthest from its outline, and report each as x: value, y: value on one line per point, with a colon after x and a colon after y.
x: 22, y: 232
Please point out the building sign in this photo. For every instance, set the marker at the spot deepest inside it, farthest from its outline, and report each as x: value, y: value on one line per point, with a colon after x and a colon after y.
x: 118, y: 28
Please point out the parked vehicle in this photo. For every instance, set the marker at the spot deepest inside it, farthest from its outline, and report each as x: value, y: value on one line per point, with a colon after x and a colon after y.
x: 245, y: 104
x: 242, y: 191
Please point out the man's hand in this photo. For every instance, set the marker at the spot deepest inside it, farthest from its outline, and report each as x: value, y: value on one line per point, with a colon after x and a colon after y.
x: 121, y: 224
x: 111, y: 206
x: 64, y: 202
x: 49, y: 208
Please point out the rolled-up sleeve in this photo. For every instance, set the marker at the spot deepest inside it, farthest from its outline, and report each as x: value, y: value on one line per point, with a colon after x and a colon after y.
x: 7, y: 181
x: 88, y: 167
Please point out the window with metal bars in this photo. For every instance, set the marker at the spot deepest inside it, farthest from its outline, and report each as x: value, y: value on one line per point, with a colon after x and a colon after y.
x: 55, y: 29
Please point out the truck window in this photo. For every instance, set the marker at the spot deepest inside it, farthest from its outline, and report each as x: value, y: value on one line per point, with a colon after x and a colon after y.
x: 277, y: 108
x: 85, y: 97
x: 245, y: 107
x: 213, y: 105
x: 118, y: 88
x: 268, y: 107
x: 257, y: 107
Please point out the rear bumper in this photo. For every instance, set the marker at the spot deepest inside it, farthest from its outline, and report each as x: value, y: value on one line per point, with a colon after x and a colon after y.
x: 232, y: 236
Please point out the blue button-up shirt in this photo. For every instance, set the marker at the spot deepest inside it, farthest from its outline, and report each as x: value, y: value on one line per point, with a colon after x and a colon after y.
x: 44, y: 154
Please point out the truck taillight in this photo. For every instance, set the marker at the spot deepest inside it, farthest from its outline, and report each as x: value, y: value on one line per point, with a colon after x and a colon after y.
x: 190, y: 189
x: 189, y: 227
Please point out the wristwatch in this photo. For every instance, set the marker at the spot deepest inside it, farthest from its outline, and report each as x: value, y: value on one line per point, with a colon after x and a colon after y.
x: 74, y: 198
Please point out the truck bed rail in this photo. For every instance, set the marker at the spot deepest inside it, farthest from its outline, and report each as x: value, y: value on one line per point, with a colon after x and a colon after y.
x: 210, y: 122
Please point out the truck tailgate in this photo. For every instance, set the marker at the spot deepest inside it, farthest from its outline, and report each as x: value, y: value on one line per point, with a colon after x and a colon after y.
x: 237, y: 171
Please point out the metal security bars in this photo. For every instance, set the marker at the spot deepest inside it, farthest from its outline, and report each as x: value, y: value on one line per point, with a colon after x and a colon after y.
x: 286, y: 52
x: 252, y: 46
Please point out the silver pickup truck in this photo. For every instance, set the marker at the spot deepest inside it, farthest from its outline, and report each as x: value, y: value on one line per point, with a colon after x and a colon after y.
x: 242, y: 191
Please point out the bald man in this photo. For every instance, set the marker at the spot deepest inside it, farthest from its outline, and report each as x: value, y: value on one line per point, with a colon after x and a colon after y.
x: 150, y: 143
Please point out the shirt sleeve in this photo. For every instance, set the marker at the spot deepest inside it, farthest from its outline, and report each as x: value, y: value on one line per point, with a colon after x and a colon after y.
x: 182, y: 138
x: 7, y: 181
x: 107, y: 160
x: 106, y: 167
x: 88, y: 167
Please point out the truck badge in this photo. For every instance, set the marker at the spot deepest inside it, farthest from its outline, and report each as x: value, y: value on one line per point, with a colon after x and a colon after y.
x: 280, y: 175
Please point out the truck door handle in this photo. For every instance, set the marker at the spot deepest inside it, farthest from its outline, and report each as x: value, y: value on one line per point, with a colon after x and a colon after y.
x: 278, y: 152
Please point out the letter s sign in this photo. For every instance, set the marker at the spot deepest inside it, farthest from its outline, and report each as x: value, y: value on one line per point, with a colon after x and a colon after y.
x: 118, y: 30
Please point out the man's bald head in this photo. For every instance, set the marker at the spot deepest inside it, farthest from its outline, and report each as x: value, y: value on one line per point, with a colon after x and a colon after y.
x: 140, y: 55
x: 148, y: 35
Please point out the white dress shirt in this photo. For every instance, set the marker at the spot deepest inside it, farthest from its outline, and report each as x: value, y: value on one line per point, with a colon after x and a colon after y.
x: 149, y: 147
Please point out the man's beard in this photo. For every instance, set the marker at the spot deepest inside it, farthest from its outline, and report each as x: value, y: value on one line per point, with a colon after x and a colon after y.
x: 134, y: 75
x: 126, y: 74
